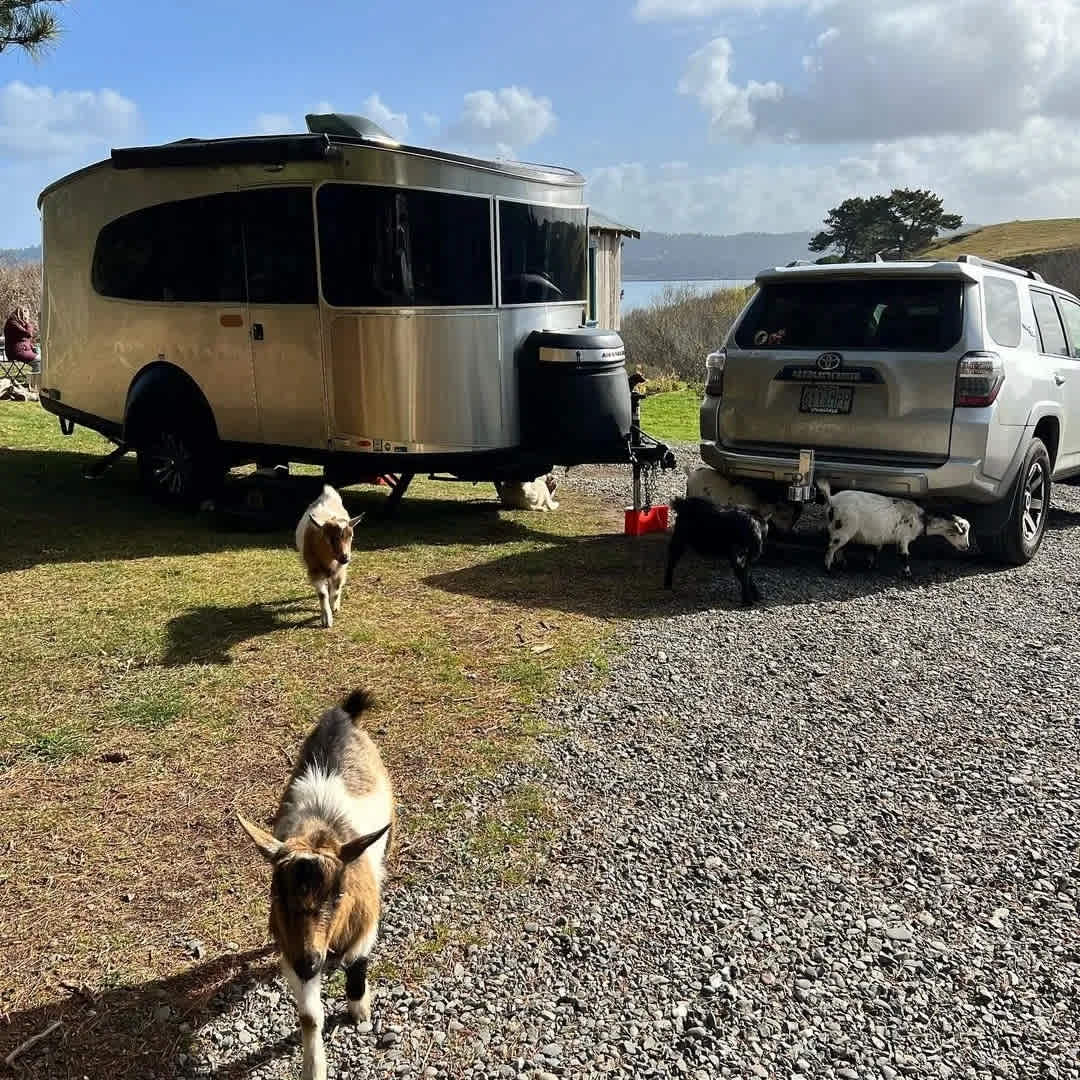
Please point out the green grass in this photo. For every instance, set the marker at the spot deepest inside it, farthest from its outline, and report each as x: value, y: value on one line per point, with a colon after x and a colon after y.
x: 672, y: 416
x: 160, y: 674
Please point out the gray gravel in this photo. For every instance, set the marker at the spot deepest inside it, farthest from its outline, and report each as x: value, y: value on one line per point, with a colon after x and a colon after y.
x: 832, y: 836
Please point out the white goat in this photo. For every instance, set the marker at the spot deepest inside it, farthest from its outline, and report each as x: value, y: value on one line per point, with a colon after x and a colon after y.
x: 531, y: 495
x: 877, y: 520
x: 706, y: 483
x: 324, y: 539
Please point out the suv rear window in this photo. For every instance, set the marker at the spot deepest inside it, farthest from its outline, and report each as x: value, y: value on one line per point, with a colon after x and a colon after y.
x: 918, y: 315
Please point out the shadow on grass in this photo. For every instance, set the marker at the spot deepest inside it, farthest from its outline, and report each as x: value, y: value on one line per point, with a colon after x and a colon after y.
x: 205, y: 635
x: 616, y: 577
x: 52, y: 514
x: 124, y: 1031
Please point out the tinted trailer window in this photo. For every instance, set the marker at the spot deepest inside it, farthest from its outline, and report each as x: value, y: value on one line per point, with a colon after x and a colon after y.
x: 919, y: 315
x: 542, y: 254
x: 398, y: 247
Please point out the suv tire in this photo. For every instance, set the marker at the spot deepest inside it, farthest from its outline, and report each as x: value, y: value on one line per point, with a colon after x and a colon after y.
x: 179, y: 458
x: 1022, y: 534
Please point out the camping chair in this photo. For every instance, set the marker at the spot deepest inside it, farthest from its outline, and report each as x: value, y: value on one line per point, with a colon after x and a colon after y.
x: 18, y: 371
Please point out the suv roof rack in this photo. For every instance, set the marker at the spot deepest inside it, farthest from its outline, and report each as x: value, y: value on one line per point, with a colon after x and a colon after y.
x: 980, y: 261
x: 798, y: 262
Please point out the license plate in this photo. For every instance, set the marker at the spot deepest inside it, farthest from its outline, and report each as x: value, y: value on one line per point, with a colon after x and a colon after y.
x: 826, y: 399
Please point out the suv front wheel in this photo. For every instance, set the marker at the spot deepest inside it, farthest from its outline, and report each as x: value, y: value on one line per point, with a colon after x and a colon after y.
x: 1020, y: 538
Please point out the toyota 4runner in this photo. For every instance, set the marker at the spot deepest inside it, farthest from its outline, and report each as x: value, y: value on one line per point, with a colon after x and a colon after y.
x: 956, y: 384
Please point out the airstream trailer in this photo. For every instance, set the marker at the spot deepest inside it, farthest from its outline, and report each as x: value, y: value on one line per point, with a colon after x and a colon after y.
x: 333, y: 297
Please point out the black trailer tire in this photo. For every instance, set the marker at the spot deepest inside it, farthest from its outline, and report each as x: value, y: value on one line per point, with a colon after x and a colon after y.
x: 1022, y: 535
x: 179, y: 458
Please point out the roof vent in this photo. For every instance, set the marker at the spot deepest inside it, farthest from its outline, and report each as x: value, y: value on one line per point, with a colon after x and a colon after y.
x: 348, y: 126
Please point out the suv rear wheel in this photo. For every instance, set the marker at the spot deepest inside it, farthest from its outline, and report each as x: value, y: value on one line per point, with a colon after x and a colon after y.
x: 1023, y: 533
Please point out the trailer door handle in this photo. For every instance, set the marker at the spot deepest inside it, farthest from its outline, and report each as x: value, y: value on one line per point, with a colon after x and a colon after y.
x: 1059, y: 379
x: 257, y: 331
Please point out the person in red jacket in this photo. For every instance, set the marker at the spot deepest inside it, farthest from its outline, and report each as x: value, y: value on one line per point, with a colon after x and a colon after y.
x: 19, y: 334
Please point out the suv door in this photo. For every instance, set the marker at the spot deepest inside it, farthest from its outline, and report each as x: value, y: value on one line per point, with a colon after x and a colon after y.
x: 1070, y: 314
x: 1066, y: 372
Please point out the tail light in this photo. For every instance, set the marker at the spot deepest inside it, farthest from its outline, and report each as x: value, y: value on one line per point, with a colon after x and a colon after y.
x: 978, y: 379
x: 714, y: 373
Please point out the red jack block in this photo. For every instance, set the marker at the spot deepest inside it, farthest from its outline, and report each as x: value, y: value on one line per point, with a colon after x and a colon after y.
x: 639, y: 522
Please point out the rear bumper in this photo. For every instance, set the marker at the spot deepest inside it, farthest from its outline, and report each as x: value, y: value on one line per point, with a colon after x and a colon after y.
x: 959, y: 478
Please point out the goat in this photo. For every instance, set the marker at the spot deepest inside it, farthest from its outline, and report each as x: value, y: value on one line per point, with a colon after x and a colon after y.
x: 328, y: 849
x: 531, y: 495
x: 324, y: 539
x: 877, y: 520
x: 706, y: 483
x: 733, y: 533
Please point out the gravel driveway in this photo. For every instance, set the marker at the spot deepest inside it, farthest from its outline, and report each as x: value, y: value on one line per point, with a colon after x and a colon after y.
x: 832, y: 836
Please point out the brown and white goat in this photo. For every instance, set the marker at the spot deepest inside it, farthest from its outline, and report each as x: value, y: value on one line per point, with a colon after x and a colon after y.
x: 324, y: 539
x: 328, y: 850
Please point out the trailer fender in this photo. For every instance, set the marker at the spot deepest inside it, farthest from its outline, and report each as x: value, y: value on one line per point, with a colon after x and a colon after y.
x: 164, y: 385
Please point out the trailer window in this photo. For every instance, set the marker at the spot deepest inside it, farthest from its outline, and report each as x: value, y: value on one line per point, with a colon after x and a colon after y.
x: 279, y: 246
x: 915, y: 315
x: 179, y: 251
x: 542, y: 253
x: 396, y: 247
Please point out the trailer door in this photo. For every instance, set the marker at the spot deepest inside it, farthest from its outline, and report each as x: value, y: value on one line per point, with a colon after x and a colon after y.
x: 283, y: 315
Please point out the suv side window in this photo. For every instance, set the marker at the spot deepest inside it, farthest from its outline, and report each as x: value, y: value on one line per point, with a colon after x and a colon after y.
x: 1002, y: 311
x: 1070, y: 312
x: 1049, y: 322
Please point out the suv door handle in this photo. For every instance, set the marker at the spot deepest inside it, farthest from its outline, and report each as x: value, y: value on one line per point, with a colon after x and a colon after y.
x: 257, y: 331
x: 1059, y: 379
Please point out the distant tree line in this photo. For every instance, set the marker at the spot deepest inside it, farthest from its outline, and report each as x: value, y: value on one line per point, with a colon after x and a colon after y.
x: 897, y: 226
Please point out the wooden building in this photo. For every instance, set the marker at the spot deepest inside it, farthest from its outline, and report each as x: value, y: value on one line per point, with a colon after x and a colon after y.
x: 605, y: 268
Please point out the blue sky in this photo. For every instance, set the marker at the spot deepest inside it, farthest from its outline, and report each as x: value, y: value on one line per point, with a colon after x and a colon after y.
x: 697, y: 115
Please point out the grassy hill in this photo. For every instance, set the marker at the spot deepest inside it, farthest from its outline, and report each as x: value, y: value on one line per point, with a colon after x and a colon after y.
x: 1009, y: 240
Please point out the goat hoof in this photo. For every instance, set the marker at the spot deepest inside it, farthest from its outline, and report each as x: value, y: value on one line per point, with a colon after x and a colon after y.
x: 360, y: 1010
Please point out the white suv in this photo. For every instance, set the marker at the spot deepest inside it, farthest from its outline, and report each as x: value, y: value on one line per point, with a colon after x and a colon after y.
x: 956, y: 384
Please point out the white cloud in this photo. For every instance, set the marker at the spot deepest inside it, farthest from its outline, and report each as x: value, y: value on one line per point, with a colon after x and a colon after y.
x: 878, y: 71
x: 273, y: 124
x: 39, y: 122
x: 993, y: 176
x: 432, y: 122
x: 708, y: 78
x: 321, y: 108
x: 395, y: 124
x: 503, y: 120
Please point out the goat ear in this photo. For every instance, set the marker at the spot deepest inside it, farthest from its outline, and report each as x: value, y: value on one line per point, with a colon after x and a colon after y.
x: 269, y: 846
x: 353, y: 522
x: 355, y: 848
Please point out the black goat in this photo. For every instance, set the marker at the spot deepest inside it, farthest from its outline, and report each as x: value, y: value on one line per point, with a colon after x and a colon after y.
x: 719, y: 533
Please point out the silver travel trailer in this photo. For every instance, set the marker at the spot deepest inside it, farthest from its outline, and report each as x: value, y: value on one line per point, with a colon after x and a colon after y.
x: 333, y: 297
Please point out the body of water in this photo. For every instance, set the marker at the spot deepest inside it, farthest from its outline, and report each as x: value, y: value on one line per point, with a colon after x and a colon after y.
x: 639, y: 294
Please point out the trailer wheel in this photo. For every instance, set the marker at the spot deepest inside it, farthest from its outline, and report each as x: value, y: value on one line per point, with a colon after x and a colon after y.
x: 179, y: 459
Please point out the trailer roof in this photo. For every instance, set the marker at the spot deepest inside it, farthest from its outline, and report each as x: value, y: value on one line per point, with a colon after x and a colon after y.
x: 311, y: 146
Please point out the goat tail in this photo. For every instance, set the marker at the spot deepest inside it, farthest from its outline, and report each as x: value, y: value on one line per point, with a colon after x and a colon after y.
x: 823, y: 487
x: 359, y: 701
